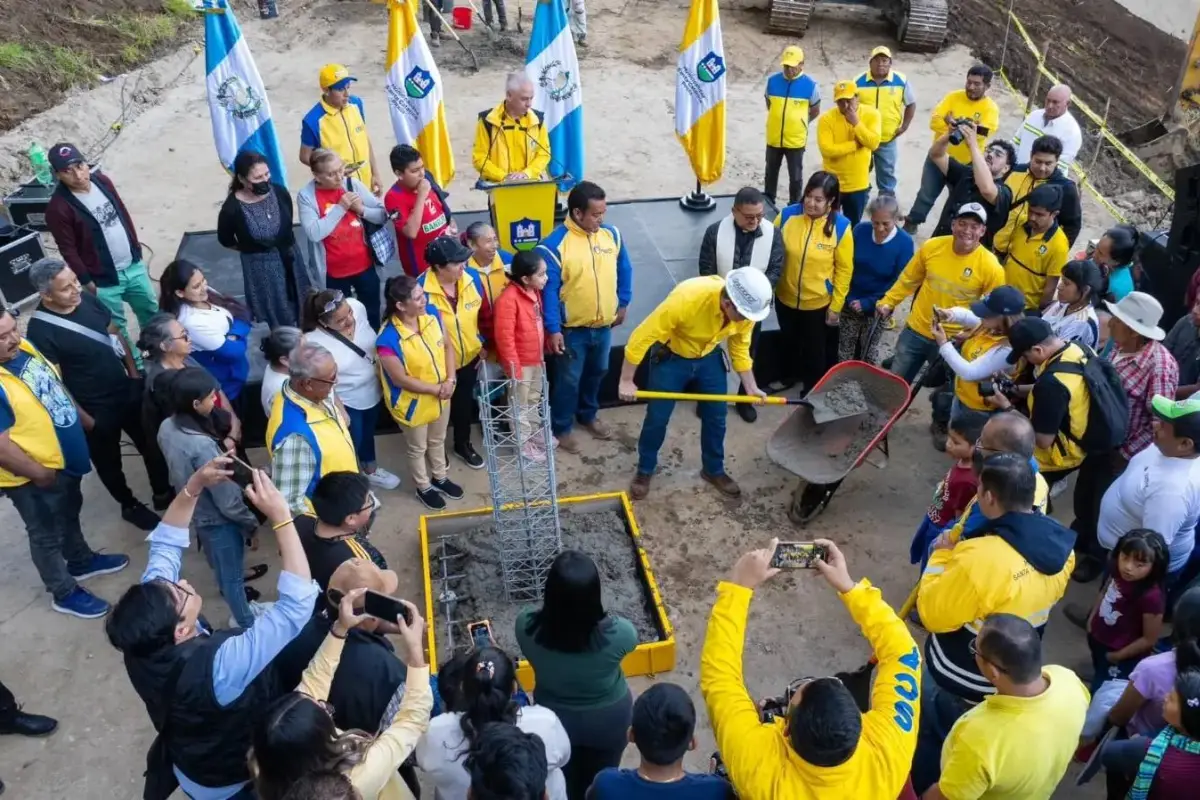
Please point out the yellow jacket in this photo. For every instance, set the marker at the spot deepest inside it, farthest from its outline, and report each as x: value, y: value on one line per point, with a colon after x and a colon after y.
x: 1041, y: 496
x: 788, y: 105
x: 846, y: 149
x: 32, y: 429
x: 817, y: 266
x: 462, y: 317
x: 691, y: 323
x: 588, y: 277
x: 945, y: 280
x: 984, y: 112
x: 504, y: 145
x: 889, y: 97
x: 1035, y: 258
x: 423, y: 354
x: 495, y: 274
x: 760, y: 760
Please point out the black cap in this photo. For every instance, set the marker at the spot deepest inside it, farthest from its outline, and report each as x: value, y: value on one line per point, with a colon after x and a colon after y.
x: 1027, y: 333
x: 63, y: 155
x: 1047, y: 196
x: 1003, y: 301
x: 446, y: 250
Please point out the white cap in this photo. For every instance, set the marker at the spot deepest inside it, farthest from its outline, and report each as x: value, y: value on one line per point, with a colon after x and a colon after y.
x: 750, y: 292
x: 971, y: 210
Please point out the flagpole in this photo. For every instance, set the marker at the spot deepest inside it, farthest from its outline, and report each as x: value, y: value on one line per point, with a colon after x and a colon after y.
x: 698, y: 200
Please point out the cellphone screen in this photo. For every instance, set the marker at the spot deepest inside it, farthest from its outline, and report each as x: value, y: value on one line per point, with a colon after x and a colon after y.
x: 386, y: 608
x: 797, y: 555
x: 481, y: 634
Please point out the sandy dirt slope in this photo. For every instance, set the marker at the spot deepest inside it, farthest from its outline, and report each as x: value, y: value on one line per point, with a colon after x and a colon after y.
x: 164, y: 164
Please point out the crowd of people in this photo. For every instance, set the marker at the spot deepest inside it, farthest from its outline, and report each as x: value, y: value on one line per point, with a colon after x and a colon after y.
x: 1040, y: 365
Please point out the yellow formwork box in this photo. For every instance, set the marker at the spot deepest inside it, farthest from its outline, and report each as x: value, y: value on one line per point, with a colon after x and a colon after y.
x: 649, y: 658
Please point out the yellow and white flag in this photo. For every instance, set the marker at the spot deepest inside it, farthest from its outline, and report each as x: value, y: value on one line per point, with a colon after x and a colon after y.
x: 414, y: 91
x: 700, y: 91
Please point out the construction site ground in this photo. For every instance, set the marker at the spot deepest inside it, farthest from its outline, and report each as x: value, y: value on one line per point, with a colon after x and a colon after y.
x: 164, y: 164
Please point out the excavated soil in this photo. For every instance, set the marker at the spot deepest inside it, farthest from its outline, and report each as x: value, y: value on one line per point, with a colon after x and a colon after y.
x: 601, y: 535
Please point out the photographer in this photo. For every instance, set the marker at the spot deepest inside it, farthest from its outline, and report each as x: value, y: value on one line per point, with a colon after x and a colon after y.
x: 826, y: 748
x: 980, y: 181
x: 985, y: 351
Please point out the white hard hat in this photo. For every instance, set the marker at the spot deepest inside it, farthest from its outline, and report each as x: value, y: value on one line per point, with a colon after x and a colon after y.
x: 750, y: 292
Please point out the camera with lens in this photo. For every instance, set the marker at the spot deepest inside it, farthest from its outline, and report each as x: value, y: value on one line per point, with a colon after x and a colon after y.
x: 956, y: 134
x: 1001, y: 384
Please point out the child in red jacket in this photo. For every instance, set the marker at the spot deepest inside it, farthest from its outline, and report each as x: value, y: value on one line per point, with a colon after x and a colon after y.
x: 520, y: 342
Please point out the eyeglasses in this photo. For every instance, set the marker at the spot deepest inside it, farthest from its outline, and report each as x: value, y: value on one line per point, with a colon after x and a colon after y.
x: 183, y: 337
x: 973, y: 647
x: 324, y: 380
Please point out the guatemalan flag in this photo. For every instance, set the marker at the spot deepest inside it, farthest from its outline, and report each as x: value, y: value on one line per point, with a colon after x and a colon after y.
x: 237, y: 101
x: 552, y: 66
x: 700, y: 92
x: 414, y: 91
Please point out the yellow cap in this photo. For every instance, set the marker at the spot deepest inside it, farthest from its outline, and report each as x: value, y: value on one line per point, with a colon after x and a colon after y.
x: 792, y: 57
x: 881, y: 51
x: 844, y: 90
x: 333, y: 74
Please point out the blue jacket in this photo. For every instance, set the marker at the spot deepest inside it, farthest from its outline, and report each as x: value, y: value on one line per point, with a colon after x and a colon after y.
x: 876, y: 266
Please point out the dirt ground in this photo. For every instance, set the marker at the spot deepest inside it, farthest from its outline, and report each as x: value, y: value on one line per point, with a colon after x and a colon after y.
x: 163, y: 162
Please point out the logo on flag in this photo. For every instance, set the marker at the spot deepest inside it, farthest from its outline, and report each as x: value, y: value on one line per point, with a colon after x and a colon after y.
x: 710, y: 68
x: 418, y: 83
x: 553, y: 67
x: 557, y: 82
x: 238, y: 97
x: 525, y: 233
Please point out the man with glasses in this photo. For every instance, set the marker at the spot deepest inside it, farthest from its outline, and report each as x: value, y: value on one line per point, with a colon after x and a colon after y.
x: 308, y: 432
x: 981, y: 180
x: 1014, y: 560
x: 344, y: 509
x: 1020, y: 739
x: 203, y: 688
x: 741, y: 240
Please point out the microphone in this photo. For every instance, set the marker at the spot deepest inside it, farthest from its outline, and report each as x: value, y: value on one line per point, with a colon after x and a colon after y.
x: 483, y: 184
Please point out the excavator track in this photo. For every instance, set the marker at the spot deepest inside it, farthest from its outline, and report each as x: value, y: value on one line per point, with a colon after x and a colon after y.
x: 922, y: 25
x: 790, y: 16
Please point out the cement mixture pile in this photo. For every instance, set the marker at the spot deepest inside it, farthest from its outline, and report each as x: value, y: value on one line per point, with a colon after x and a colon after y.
x: 601, y: 535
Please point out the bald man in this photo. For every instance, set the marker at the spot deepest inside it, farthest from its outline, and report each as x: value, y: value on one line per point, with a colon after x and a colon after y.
x: 1053, y: 120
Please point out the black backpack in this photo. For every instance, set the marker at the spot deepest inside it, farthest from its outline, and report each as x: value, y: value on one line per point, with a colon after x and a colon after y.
x: 1108, y: 412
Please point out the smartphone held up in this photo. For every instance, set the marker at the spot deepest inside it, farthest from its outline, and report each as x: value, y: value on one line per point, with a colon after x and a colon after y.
x: 797, y: 555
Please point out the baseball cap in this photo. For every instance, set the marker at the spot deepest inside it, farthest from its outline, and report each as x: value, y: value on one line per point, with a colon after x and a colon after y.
x: 844, y: 90
x: 972, y: 210
x: 792, y: 57
x: 362, y: 573
x: 335, y: 76
x: 63, y: 155
x: 1003, y: 301
x: 881, y: 51
x: 750, y: 292
x: 446, y: 250
x: 1026, y: 333
x: 1184, y: 415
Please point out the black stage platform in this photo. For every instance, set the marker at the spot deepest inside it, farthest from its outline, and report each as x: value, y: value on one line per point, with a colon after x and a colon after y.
x: 663, y: 242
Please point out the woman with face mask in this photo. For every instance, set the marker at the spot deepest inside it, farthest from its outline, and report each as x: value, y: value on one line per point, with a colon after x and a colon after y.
x: 256, y: 220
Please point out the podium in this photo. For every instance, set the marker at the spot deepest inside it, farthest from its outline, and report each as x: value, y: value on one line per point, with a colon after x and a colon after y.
x: 522, y: 211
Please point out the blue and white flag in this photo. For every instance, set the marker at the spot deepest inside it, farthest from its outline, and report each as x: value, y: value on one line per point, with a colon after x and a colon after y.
x: 237, y: 101
x: 552, y: 66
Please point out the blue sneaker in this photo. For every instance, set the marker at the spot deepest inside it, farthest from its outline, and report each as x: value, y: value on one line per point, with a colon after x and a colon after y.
x: 81, y: 603
x: 101, y: 564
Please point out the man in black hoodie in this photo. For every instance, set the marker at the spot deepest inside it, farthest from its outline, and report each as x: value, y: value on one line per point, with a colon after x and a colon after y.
x: 1010, y: 561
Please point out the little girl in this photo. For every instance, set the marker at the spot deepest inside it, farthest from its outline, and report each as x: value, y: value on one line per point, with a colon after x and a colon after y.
x: 955, y: 491
x: 520, y: 342
x: 1126, y: 619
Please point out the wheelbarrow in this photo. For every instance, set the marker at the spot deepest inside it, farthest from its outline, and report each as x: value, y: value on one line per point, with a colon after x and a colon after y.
x: 822, y: 455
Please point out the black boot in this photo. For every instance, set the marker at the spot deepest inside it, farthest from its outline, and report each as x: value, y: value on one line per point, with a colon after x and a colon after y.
x: 23, y: 724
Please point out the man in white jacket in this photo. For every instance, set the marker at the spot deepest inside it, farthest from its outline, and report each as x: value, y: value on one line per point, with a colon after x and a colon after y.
x: 1055, y: 119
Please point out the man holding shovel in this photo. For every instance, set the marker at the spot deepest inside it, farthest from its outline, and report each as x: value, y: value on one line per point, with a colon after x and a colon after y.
x: 684, y: 334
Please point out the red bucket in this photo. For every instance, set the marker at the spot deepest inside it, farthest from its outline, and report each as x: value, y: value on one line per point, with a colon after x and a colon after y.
x: 462, y: 18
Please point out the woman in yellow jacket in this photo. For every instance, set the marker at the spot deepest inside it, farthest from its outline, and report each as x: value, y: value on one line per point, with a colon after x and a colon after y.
x: 416, y: 366
x: 818, y: 260
x: 487, y: 258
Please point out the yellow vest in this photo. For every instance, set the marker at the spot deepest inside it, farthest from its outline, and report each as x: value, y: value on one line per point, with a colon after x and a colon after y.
x: 1064, y: 452
x: 495, y: 274
x: 887, y: 98
x: 979, y: 343
x: 328, y: 436
x: 32, y: 430
x: 461, y: 318
x: 788, y: 103
x: 344, y: 131
x: 423, y: 354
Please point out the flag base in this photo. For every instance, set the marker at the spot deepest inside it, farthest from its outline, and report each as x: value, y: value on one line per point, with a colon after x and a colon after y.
x: 698, y: 200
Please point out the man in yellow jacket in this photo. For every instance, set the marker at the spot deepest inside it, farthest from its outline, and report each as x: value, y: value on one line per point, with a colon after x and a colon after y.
x: 968, y: 103
x: 1012, y: 561
x: 826, y: 747
x: 338, y: 123
x: 686, y: 331
x: 793, y: 101
x: 848, y: 135
x: 511, y: 140
x: 890, y: 93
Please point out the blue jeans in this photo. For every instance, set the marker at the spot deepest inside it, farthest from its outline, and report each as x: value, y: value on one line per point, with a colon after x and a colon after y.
x: 912, y: 351
x: 676, y: 374
x: 933, y: 181
x: 578, y: 374
x: 885, y: 168
x: 362, y: 433
x: 365, y: 287
x: 854, y: 204
x: 939, y: 711
x: 224, y: 547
